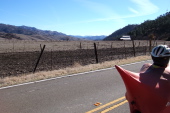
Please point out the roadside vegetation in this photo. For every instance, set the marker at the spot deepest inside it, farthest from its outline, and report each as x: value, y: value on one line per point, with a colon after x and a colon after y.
x: 76, y: 68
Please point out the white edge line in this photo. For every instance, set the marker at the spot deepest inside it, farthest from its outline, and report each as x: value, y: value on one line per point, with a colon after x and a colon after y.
x: 69, y: 75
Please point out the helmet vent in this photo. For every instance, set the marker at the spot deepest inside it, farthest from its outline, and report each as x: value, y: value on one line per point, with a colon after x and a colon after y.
x: 159, y: 51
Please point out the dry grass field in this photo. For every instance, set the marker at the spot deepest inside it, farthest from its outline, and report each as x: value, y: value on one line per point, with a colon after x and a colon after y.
x: 29, y: 45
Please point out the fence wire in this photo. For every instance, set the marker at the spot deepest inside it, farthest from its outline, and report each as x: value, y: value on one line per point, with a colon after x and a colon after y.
x: 13, y: 64
x: 16, y: 63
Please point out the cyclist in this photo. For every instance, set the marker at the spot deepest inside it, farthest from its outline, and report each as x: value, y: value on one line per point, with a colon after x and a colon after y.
x: 148, y: 91
x: 160, y: 68
x: 157, y: 75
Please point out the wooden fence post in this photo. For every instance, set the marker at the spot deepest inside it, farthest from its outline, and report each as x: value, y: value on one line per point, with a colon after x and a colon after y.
x: 80, y: 45
x: 125, y: 50
x: 51, y: 59
x: 95, y: 51
x: 42, y: 50
x: 111, y: 45
x: 150, y: 45
x: 139, y: 44
x: 134, y: 52
x: 145, y: 50
x: 13, y: 46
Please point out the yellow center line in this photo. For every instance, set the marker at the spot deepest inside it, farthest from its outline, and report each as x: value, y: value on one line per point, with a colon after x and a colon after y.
x: 103, y: 106
x: 113, y: 107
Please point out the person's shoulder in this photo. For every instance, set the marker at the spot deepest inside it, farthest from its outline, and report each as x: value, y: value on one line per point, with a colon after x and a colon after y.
x: 145, y: 67
x: 167, y: 69
x: 168, y: 66
x: 166, y: 73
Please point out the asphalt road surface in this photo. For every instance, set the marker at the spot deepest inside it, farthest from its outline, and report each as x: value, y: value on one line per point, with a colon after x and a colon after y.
x: 93, y: 92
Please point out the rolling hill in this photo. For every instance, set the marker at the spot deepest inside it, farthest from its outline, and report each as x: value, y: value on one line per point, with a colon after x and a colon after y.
x: 31, y: 33
x: 123, y: 31
x: 159, y: 29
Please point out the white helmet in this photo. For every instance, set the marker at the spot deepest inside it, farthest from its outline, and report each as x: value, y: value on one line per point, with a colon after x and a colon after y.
x: 161, y: 51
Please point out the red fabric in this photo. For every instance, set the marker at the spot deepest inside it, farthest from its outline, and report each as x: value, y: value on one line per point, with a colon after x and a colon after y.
x: 143, y: 97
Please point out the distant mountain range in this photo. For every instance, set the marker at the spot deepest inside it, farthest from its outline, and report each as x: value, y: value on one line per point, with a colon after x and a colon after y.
x: 101, y: 37
x: 31, y: 33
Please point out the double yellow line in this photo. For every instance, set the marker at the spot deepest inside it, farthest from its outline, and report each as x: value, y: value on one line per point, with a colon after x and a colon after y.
x: 108, y: 104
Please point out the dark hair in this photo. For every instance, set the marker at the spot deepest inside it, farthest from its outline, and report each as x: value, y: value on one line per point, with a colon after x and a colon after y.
x: 160, y: 61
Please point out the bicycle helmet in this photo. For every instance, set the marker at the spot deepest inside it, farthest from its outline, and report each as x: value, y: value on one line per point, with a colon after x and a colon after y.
x: 161, y: 51
x: 161, y: 55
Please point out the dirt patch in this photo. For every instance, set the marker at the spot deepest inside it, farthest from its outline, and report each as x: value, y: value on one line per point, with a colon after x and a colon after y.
x: 14, y: 64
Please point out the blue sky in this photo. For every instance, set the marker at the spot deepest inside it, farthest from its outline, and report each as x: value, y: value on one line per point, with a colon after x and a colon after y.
x: 80, y: 17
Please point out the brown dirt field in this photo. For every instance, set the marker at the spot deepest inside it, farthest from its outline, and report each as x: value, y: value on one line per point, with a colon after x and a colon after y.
x: 20, y: 57
x: 13, y: 64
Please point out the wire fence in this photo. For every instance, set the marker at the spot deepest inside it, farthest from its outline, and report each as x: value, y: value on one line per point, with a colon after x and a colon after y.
x: 16, y: 63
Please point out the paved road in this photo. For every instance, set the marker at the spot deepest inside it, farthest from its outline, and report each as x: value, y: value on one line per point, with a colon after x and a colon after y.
x: 74, y: 94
